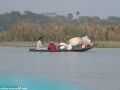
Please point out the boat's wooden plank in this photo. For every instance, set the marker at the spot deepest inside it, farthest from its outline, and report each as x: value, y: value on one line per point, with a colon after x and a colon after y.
x: 77, y: 50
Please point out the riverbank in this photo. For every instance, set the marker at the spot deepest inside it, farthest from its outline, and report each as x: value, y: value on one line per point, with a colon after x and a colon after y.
x: 108, y: 44
x: 101, y: 44
x: 18, y: 44
x: 22, y: 44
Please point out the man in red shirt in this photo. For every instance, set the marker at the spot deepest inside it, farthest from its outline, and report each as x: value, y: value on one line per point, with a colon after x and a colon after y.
x: 52, y: 46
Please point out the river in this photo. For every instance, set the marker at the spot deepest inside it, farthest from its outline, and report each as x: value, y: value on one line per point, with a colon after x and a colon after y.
x: 96, y: 69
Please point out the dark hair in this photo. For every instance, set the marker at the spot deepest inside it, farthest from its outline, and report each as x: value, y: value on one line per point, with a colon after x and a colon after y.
x: 40, y: 38
x: 50, y: 39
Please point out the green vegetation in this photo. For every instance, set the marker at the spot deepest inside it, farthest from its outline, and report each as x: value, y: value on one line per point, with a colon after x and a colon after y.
x: 108, y: 44
x: 16, y: 28
x: 18, y: 44
x: 23, y: 44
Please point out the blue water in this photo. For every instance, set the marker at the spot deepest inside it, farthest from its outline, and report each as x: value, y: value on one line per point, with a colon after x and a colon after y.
x: 96, y: 69
x: 29, y: 82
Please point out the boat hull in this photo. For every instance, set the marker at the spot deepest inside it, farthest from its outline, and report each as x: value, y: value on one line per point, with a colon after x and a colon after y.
x: 74, y: 50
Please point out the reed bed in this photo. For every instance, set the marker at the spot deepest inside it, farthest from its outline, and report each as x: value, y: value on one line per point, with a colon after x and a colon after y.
x: 30, y: 32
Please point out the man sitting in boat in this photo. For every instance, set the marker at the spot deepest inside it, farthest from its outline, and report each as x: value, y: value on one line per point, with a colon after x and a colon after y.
x: 39, y: 44
x: 52, y: 46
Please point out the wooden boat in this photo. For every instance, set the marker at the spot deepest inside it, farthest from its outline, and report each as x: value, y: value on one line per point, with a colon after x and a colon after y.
x: 73, y: 50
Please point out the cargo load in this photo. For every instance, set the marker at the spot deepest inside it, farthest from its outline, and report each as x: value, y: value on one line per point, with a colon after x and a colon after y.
x: 75, y: 41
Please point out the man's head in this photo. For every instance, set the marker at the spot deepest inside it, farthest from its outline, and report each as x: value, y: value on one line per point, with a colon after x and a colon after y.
x: 40, y: 38
x: 51, y: 41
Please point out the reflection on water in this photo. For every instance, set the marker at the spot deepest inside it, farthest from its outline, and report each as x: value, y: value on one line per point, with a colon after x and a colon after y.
x: 96, y: 69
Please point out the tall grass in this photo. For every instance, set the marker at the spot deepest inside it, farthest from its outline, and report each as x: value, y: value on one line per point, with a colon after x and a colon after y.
x: 27, y: 31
